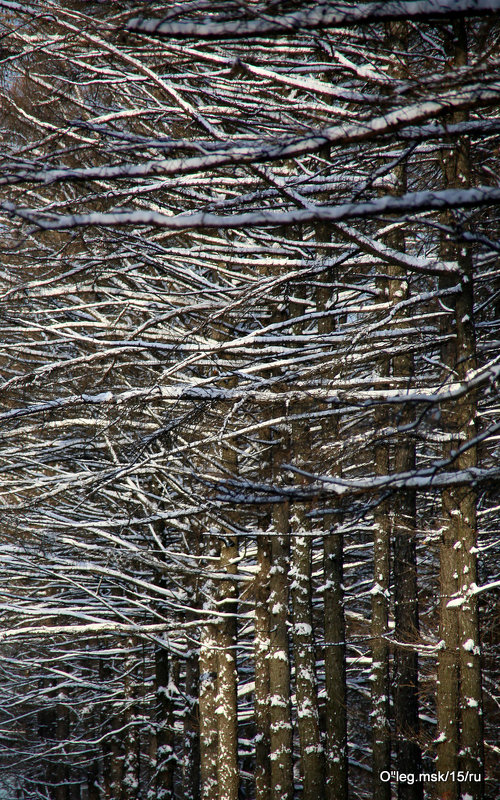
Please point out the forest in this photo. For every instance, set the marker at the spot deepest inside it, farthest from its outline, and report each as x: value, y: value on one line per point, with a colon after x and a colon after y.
x: 249, y: 400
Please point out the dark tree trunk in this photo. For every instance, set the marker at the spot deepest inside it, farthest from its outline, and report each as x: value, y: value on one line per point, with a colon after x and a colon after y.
x: 459, y: 695
x: 279, y: 665
x: 165, y: 754
x: 262, y: 686
x: 191, y: 755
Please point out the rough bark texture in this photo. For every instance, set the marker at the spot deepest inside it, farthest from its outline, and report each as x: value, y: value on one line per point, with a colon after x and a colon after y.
x: 311, y: 748
x: 312, y: 766
x: 130, y: 782
x: 406, y: 707
x: 227, y: 701
x: 62, y: 774
x: 335, y: 671
x: 227, y: 711
x: 262, y: 687
x: 208, y: 696
x: 112, y: 762
x: 380, y: 687
x: 447, y: 669
x: 191, y: 754
x: 459, y: 696
x: 279, y: 665
x: 165, y: 753
x: 336, y: 759
x: 406, y: 624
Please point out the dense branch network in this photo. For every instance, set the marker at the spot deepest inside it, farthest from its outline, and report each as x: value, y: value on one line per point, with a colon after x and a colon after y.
x: 250, y: 371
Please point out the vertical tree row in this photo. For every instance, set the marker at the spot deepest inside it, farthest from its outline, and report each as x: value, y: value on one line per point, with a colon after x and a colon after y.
x: 459, y: 699
x: 249, y: 378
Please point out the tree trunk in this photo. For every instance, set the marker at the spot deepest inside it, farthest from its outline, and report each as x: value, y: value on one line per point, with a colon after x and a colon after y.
x: 335, y: 670
x: 130, y: 782
x: 380, y: 687
x: 191, y: 755
x: 279, y: 666
x: 311, y: 748
x: 406, y: 706
x: 62, y: 774
x: 227, y: 676
x: 227, y: 709
x: 312, y: 766
x: 460, y: 725
x: 336, y: 757
x: 165, y: 755
x: 406, y: 622
x: 262, y: 686
x: 208, y: 694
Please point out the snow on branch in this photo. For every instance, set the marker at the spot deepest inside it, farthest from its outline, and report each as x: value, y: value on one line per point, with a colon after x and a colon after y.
x: 466, y: 97
x: 208, y: 392
x: 321, y: 16
x: 20, y: 8
x: 42, y: 631
x: 325, y: 486
x: 410, y: 203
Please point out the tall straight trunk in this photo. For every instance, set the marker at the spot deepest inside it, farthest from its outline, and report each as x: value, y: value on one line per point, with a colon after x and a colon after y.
x: 336, y: 757
x: 113, y: 763
x: 62, y: 776
x: 53, y: 726
x: 208, y: 664
x: 460, y: 726
x: 280, y: 731
x: 165, y: 755
x: 312, y: 763
x: 262, y: 686
x: 465, y: 503
x: 264, y: 741
x: 406, y: 624
x: 279, y: 665
x: 403, y: 511
x: 227, y: 708
x: 112, y: 756
x: 311, y: 748
x: 227, y: 677
x: 130, y: 782
x: 191, y: 754
x: 447, y: 667
x: 448, y: 662
x: 380, y: 686
x: 273, y: 722
x: 335, y: 668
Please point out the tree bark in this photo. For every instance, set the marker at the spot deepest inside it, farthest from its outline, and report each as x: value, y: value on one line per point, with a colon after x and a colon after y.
x: 336, y: 756
x: 191, y: 755
x: 459, y: 694
x: 279, y: 665
x: 208, y: 665
x: 335, y: 667
x: 165, y: 755
x: 227, y: 708
x: 130, y: 782
x: 380, y: 687
x: 311, y: 748
x: 227, y: 676
x: 262, y: 685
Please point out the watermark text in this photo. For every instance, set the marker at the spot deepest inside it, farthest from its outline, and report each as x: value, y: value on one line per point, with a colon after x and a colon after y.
x: 461, y: 776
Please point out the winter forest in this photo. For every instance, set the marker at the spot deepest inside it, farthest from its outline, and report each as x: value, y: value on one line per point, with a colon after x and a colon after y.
x: 250, y: 415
